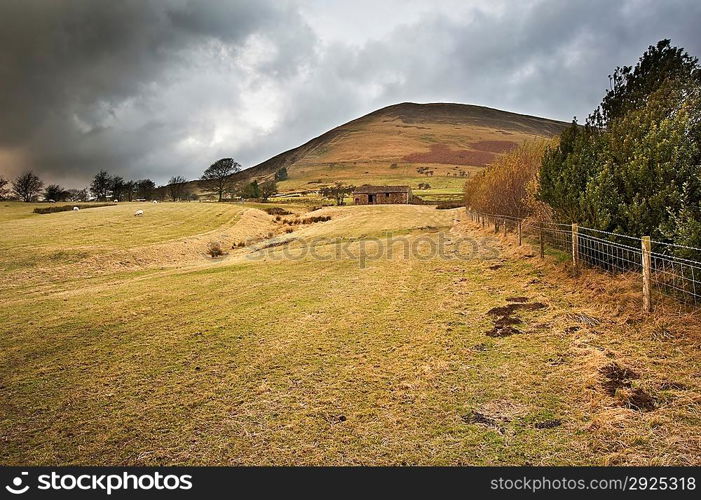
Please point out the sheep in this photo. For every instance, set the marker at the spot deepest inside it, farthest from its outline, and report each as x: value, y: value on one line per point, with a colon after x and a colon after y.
x: 75, y: 209
x: 139, y: 212
x: 155, y: 201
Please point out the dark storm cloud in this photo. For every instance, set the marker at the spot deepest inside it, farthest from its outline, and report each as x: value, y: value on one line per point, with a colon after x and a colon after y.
x: 155, y: 88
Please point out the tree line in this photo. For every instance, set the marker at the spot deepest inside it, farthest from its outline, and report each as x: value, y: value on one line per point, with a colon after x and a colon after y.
x: 217, y: 181
x: 633, y: 167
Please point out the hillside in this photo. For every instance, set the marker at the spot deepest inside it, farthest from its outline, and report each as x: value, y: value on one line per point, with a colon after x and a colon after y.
x: 388, y: 145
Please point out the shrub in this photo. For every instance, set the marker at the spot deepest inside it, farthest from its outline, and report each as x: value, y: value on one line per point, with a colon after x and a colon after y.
x: 505, y: 187
x: 277, y: 211
x: 214, y: 249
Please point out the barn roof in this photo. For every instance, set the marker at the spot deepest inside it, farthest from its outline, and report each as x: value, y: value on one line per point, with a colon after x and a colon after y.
x: 381, y: 189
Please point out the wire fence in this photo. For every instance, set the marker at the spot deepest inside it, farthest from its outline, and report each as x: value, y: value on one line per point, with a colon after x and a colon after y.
x: 672, y: 269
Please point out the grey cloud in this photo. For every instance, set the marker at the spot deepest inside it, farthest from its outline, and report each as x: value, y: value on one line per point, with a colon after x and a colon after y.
x: 154, y: 88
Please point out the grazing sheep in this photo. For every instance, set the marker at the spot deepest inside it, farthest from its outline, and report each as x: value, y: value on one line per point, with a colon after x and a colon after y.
x: 139, y: 212
x: 155, y: 201
x: 75, y: 209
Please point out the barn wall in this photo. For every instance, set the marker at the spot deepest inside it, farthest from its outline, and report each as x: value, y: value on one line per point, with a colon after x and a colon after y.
x: 381, y: 199
x: 360, y: 199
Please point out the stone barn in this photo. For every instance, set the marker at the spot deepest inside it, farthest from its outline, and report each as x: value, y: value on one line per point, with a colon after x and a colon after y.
x: 381, y: 195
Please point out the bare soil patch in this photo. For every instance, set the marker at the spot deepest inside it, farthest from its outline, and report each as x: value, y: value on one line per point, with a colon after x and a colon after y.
x: 548, y: 424
x: 494, y: 146
x: 503, y: 324
x: 617, y: 377
x: 441, y: 153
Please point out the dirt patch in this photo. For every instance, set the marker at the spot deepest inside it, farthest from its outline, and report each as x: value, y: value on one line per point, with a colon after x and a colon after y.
x: 638, y: 399
x: 495, y: 267
x: 672, y: 386
x: 617, y: 377
x: 509, y: 309
x: 618, y: 384
x: 479, y: 418
x: 503, y: 331
x: 441, y: 153
x: 548, y: 424
x: 505, y: 319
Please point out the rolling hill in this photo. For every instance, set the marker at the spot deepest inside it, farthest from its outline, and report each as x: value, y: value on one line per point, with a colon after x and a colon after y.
x: 388, y: 146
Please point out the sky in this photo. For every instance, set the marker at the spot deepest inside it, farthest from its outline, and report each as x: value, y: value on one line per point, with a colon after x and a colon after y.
x: 162, y: 88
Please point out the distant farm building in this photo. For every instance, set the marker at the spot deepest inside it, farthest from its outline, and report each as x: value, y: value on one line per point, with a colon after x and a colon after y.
x: 382, y: 195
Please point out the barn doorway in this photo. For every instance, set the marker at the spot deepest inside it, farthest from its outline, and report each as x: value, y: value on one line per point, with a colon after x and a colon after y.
x: 371, y: 198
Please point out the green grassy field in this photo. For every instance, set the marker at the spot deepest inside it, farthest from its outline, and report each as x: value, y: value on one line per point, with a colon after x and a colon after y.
x: 143, y: 350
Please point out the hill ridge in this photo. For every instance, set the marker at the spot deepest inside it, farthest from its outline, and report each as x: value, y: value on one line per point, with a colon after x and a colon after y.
x: 402, y: 144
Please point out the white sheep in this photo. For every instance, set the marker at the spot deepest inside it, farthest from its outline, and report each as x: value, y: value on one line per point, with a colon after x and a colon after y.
x: 155, y: 201
x: 139, y: 212
x: 75, y: 209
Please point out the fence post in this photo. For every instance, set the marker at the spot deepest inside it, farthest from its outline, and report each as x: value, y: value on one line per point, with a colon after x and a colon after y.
x: 482, y: 221
x: 504, y: 222
x: 575, y: 245
x: 646, y: 248
x: 519, y: 233
x: 542, y: 242
x: 496, y: 225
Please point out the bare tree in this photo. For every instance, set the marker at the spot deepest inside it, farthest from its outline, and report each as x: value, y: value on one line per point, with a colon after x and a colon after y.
x: 118, y: 187
x: 337, y: 192
x: 267, y: 189
x: 145, y: 189
x: 27, y: 186
x: 101, y: 185
x: 176, y: 187
x: 56, y: 193
x: 129, y: 190
x: 217, y: 177
x: 77, y: 194
x: 3, y: 188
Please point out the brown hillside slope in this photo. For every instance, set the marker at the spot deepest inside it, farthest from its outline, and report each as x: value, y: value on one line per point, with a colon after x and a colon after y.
x: 389, y: 144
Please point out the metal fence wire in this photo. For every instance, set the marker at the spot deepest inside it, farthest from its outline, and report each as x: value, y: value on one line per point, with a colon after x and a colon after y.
x: 673, y: 269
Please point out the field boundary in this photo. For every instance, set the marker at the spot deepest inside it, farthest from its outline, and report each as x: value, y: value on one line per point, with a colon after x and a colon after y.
x: 674, y: 270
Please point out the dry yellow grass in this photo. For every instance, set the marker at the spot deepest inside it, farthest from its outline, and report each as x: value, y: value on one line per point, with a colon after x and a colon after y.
x: 273, y: 357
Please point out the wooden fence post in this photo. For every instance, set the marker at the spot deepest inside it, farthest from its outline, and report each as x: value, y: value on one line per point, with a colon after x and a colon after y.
x: 504, y: 222
x: 482, y: 221
x: 542, y: 242
x: 519, y: 233
x: 575, y: 246
x: 646, y: 248
x: 496, y: 225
